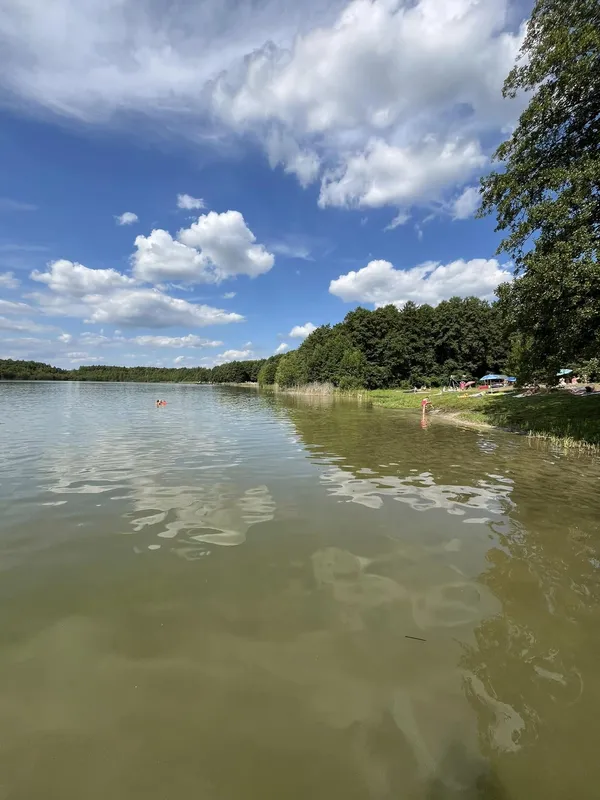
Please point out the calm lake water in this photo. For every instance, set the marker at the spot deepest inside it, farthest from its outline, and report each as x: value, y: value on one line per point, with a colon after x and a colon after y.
x: 211, y: 601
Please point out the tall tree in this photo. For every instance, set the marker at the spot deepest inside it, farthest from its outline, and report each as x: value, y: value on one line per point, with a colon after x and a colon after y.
x: 547, y: 197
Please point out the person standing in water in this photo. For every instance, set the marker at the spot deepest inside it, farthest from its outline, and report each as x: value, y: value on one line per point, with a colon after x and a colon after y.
x: 425, y: 406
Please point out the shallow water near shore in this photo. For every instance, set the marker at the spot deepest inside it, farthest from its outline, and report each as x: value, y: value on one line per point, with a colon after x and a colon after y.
x: 244, y: 596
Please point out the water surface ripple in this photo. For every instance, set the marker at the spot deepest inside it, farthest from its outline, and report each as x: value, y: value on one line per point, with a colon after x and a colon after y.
x: 249, y: 596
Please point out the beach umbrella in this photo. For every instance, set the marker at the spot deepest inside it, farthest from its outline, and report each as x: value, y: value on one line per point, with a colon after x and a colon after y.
x: 564, y: 372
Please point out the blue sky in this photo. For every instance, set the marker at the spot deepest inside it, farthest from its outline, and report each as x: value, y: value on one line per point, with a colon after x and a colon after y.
x: 276, y: 169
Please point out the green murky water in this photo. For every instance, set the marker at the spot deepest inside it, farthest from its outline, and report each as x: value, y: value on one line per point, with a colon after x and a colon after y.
x: 212, y: 600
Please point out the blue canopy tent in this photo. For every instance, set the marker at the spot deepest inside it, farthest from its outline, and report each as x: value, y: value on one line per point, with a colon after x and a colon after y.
x: 564, y: 372
x: 489, y: 379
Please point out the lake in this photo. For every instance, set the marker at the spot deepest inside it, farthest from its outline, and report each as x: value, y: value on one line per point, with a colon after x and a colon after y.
x: 242, y: 596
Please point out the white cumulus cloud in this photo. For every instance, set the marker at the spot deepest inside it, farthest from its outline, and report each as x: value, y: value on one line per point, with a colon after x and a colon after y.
x: 188, y: 202
x: 316, y: 83
x: 302, y: 331
x: 377, y: 63
x: 212, y: 249
x: 127, y: 218
x: 282, y: 348
x: 150, y: 308
x: 385, y: 174
x: 228, y: 245
x: 234, y: 355
x: 107, y: 296
x: 75, y: 280
x: 371, y: 86
x: 380, y: 283
x: 159, y: 257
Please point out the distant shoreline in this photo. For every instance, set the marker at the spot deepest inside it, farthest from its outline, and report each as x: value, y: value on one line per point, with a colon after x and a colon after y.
x: 560, y: 417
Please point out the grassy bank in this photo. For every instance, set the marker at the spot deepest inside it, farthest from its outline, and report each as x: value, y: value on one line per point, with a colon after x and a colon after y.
x: 557, y: 415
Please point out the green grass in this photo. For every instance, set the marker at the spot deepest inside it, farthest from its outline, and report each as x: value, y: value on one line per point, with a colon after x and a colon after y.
x: 557, y: 415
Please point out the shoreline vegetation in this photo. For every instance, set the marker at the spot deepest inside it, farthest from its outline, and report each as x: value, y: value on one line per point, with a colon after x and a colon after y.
x: 560, y: 416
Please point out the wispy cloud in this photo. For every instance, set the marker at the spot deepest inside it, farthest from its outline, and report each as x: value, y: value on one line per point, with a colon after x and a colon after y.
x: 8, y: 280
x: 16, y: 247
x: 8, y: 204
x: 401, y: 218
x: 302, y: 331
x: 292, y: 250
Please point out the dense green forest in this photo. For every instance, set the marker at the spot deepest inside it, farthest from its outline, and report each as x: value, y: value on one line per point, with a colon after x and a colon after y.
x: 369, y: 349
x: 232, y: 372
x: 389, y: 348
x: 30, y: 371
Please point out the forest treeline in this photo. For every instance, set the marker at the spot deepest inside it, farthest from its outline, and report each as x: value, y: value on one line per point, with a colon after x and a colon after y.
x: 388, y: 348
x: 461, y: 338
x: 232, y: 372
x: 369, y: 349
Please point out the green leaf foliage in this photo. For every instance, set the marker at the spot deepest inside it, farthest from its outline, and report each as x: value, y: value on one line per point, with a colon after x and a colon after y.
x: 389, y: 348
x: 30, y: 371
x: 266, y: 375
x: 547, y: 194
